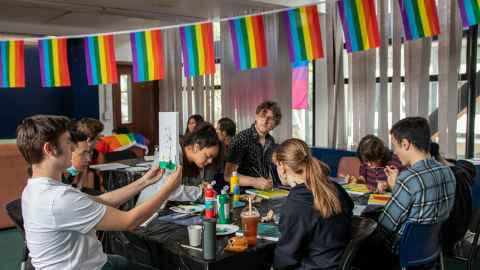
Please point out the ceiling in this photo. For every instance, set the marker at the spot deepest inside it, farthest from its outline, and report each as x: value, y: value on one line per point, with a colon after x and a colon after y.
x: 69, y: 17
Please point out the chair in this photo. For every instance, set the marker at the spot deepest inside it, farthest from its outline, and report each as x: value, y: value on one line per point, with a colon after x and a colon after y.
x: 14, y: 211
x: 349, y: 165
x: 362, y: 228
x: 420, y: 245
x: 474, y: 227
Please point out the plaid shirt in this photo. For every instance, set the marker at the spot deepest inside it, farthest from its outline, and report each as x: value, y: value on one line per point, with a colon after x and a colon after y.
x: 424, y: 193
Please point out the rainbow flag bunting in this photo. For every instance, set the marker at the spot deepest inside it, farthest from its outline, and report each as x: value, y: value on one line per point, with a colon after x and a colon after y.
x: 100, y: 58
x: 419, y: 18
x: 360, y: 25
x: 303, y: 30
x: 197, y: 49
x: 470, y: 12
x: 12, y: 64
x: 53, y: 62
x: 248, y: 41
x: 147, y: 52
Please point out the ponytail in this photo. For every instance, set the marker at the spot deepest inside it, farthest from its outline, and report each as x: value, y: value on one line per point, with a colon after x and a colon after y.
x: 325, y: 197
x: 297, y: 156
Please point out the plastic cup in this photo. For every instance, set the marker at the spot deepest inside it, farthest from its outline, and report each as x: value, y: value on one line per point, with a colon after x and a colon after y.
x: 195, y: 235
x: 250, y: 219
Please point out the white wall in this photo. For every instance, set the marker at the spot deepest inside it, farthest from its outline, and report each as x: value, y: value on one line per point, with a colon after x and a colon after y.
x: 123, y: 51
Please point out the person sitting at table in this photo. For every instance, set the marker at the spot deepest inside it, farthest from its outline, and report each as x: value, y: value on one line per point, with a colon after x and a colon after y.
x: 457, y: 223
x: 199, y: 149
x: 226, y: 130
x: 76, y: 175
x: 375, y: 156
x: 315, y: 224
x: 250, y: 153
x: 93, y: 129
x: 60, y: 221
x: 193, y: 121
x: 423, y: 193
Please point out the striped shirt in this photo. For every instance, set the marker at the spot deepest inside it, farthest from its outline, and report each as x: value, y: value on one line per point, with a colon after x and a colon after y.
x: 373, y: 175
x: 424, y: 193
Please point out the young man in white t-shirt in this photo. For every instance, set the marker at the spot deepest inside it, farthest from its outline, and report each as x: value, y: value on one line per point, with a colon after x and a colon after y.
x: 60, y: 221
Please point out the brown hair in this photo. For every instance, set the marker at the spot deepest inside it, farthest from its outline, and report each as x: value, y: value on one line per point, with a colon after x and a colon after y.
x: 372, y: 149
x: 90, y: 127
x: 37, y: 130
x: 295, y: 154
x: 272, y: 106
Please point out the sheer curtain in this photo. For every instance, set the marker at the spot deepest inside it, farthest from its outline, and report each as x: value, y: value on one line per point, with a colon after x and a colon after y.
x: 242, y: 91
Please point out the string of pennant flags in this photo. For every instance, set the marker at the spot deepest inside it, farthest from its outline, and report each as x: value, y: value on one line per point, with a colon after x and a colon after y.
x: 248, y: 41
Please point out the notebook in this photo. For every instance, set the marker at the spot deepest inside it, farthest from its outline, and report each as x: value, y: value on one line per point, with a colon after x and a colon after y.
x: 379, y: 199
x: 356, y: 189
x: 266, y: 231
x: 274, y: 193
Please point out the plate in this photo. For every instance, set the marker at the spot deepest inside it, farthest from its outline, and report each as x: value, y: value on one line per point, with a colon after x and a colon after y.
x: 226, y: 229
x: 188, y: 209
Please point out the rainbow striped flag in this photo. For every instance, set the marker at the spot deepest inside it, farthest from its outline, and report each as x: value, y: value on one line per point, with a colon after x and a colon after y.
x: 303, y: 30
x: 147, y: 52
x: 53, y: 62
x: 470, y: 12
x: 419, y: 18
x: 248, y: 41
x: 197, y: 49
x: 100, y: 58
x: 119, y: 142
x: 360, y: 25
x: 12, y: 64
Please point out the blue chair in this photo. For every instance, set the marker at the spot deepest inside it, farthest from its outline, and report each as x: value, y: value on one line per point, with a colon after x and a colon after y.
x: 420, y: 245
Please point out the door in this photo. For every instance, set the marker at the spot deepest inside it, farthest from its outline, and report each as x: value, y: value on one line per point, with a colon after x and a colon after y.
x: 135, y: 105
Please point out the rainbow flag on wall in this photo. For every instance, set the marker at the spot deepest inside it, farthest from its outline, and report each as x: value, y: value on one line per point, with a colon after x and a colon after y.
x: 100, y: 58
x: 470, y: 12
x: 197, y: 49
x: 360, y: 25
x: 147, y: 52
x: 53, y: 62
x: 248, y: 41
x: 419, y: 18
x: 12, y: 64
x: 303, y: 30
x: 119, y: 142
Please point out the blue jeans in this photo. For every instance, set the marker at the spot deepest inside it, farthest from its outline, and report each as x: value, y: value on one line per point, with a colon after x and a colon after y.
x: 116, y: 262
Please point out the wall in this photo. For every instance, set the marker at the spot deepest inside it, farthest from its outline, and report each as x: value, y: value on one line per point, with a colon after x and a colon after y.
x: 77, y: 101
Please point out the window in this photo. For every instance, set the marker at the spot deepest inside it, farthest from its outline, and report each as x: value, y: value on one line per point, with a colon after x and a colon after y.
x: 126, y: 98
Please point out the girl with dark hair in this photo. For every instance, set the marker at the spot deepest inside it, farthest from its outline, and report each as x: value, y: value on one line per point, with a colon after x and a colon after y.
x: 375, y: 156
x: 192, y: 122
x: 316, y: 219
x: 199, y: 149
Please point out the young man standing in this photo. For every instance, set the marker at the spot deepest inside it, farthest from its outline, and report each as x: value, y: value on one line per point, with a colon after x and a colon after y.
x: 59, y: 220
x: 250, y: 153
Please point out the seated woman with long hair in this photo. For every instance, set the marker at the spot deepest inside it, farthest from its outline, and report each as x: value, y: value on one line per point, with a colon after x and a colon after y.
x: 199, y: 149
x: 315, y: 223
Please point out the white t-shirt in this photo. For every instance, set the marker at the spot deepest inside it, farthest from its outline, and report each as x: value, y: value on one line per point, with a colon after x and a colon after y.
x: 59, y: 226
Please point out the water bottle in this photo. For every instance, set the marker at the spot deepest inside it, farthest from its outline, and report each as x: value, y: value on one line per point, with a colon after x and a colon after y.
x: 210, y: 202
x: 223, y: 209
x: 209, y: 239
x: 235, y: 187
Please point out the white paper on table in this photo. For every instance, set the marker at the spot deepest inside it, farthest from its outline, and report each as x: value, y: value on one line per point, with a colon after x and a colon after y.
x: 181, y: 194
x: 144, y: 164
x: 137, y: 169
x: 108, y: 166
x: 358, y: 209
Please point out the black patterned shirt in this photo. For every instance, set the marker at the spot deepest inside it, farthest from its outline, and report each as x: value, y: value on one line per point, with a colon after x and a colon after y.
x: 253, y: 158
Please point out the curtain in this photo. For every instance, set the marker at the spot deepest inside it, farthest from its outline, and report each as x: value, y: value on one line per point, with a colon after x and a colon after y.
x: 242, y: 91
x: 450, y: 44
